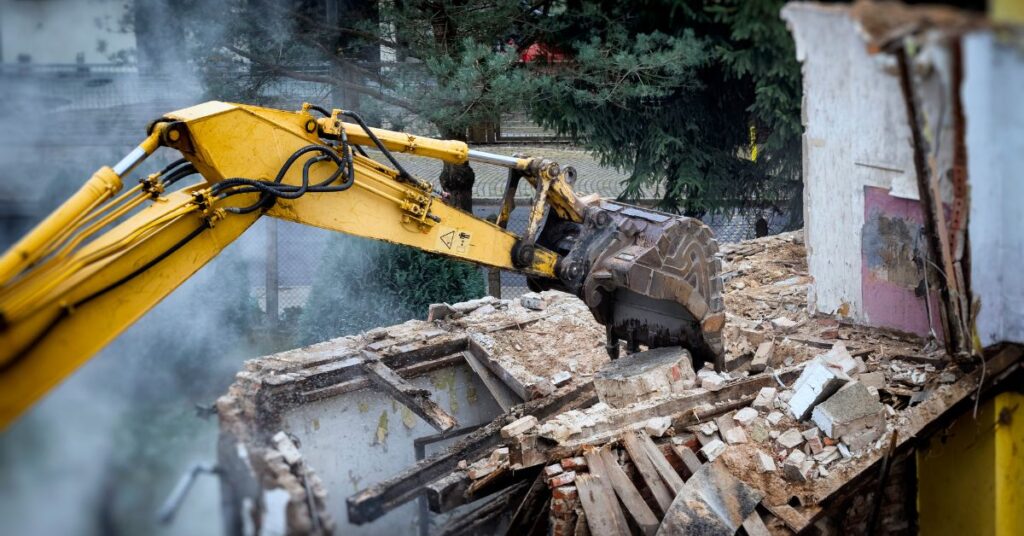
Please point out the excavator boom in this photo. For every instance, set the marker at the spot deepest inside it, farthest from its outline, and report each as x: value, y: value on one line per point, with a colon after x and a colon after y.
x: 99, y: 262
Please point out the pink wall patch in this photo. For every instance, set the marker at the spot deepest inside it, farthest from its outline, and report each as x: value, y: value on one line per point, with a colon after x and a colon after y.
x: 892, y: 265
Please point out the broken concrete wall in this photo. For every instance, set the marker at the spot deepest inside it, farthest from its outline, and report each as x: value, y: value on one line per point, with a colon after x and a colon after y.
x: 366, y: 436
x: 863, y: 221
x: 993, y: 78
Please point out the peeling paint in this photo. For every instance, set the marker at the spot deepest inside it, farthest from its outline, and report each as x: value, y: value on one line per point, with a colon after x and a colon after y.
x: 381, y: 436
x: 408, y: 418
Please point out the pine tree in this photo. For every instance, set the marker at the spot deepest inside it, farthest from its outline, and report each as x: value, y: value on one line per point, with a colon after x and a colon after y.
x: 670, y: 91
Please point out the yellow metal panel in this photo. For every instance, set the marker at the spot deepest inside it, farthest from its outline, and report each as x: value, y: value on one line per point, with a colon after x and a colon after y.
x: 1007, y: 11
x: 954, y: 472
x: 970, y: 476
x: 1009, y: 463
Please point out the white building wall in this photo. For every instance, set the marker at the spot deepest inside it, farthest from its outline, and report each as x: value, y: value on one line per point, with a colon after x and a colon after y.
x: 992, y: 90
x: 855, y: 135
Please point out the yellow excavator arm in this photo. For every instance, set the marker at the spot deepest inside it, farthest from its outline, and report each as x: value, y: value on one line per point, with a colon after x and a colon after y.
x: 101, y: 260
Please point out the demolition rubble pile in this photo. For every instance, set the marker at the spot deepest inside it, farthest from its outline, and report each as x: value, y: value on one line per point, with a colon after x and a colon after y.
x: 804, y: 411
x: 804, y: 405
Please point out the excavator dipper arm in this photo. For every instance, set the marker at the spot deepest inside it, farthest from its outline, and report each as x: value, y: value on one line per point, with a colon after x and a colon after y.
x: 99, y: 262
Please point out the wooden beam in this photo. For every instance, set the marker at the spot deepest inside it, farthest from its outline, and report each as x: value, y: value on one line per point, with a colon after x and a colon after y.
x: 604, y: 516
x: 755, y: 526
x: 412, y: 397
x: 602, y: 463
x: 669, y: 474
x: 379, y: 499
x: 501, y: 393
x: 688, y: 457
x: 474, y: 522
x: 648, y: 472
x: 530, y: 509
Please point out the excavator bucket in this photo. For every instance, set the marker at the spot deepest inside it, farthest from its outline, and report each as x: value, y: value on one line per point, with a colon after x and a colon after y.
x: 653, y: 279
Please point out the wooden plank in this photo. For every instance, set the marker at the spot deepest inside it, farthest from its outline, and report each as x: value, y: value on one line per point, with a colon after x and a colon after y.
x: 502, y: 394
x: 604, y: 516
x: 671, y: 477
x: 755, y: 526
x: 412, y: 397
x: 596, y: 467
x: 689, y: 458
x: 473, y: 522
x: 648, y: 472
x: 531, y: 508
x: 375, y: 501
x: 638, y: 509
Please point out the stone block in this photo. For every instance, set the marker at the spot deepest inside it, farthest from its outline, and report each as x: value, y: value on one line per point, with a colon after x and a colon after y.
x: 519, y: 426
x: 793, y: 466
x: 764, y: 462
x: 790, y: 438
x: 745, y: 416
x: 817, y: 382
x: 560, y: 378
x: 852, y: 415
x: 645, y: 376
x: 534, y: 301
x: 439, y: 311
x: 735, y: 436
x: 872, y: 379
x: 762, y: 357
x: 657, y: 426
x: 774, y: 418
x: 712, y: 382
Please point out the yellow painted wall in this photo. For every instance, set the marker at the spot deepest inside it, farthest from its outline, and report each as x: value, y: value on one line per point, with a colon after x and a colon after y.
x: 971, y: 476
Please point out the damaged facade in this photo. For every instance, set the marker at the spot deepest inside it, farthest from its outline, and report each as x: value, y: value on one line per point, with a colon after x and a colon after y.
x: 852, y: 351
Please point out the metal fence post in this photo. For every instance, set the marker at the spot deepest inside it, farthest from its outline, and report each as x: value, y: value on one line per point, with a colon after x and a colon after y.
x: 272, y: 279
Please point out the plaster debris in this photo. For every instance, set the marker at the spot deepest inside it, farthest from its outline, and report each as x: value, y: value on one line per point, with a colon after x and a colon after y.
x: 560, y: 378
x: 791, y: 438
x: 519, y: 426
x: 713, y: 449
x: 287, y: 448
x: 774, y: 418
x: 793, y: 466
x: 745, y: 416
x: 735, y: 436
x: 762, y: 356
x: 765, y: 400
x: 872, y: 379
x: 782, y: 323
x: 764, y: 462
x: 817, y: 382
x: 657, y: 426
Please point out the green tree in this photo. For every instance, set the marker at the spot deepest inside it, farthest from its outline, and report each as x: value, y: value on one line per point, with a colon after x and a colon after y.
x: 363, y: 284
x: 669, y: 90
x: 434, y: 64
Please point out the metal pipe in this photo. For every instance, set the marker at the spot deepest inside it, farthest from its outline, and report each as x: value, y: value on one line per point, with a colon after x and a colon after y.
x: 494, y: 159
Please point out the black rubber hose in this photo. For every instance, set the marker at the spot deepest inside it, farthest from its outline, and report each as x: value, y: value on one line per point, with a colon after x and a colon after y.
x: 402, y: 173
x: 322, y: 110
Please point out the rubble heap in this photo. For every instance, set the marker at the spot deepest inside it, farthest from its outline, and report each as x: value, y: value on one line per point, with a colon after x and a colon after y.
x: 804, y: 412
